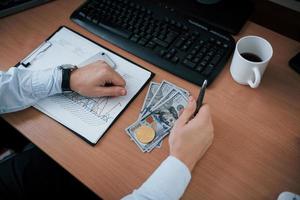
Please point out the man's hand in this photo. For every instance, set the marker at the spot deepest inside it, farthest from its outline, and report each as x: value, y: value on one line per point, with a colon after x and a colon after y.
x: 97, y: 79
x: 191, y: 136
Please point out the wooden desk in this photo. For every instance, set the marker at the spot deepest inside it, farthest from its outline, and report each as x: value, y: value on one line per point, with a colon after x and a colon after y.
x: 256, y: 151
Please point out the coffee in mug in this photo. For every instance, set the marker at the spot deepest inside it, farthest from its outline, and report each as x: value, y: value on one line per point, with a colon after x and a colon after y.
x: 251, y: 57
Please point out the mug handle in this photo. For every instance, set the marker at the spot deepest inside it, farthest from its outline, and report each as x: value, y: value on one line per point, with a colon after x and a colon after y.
x: 257, y: 78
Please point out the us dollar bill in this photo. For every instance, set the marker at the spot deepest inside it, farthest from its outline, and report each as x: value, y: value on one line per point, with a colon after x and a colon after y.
x: 160, y: 130
x: 163, y: 90
x: 150, y: 93
x: 161, y: 108
x: 163, y: 99
x: 167, y: 113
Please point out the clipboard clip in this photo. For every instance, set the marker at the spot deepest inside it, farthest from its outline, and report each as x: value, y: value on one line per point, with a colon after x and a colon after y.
x: 31, y: 58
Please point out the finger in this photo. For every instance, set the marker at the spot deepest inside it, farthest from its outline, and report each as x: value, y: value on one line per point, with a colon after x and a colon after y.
x: 112, y: 76
x: 203, y: 116
x: 117, y: 79
x: 188, y: 112
x: 110, y: 91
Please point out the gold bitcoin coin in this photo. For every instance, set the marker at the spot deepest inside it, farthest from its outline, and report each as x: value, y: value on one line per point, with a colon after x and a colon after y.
x: 145, y: 134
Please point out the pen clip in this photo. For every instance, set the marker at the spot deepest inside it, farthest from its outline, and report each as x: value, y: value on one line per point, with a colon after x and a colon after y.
x: 26, y: 62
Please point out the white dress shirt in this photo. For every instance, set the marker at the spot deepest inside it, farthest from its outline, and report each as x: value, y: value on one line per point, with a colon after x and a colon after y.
x: 21, y: 88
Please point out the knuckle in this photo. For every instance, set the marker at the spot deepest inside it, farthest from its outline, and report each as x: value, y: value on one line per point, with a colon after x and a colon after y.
x: 105, y: 69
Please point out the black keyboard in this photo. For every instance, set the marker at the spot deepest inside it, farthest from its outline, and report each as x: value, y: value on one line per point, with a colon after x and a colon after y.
x: 159, y: 35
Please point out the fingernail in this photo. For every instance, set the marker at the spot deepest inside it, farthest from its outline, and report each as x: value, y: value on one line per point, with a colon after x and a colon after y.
x: 123, y: 92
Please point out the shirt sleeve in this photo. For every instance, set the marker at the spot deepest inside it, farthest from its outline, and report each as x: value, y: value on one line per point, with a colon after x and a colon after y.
x: 167, y: 182
x: 21, y: 87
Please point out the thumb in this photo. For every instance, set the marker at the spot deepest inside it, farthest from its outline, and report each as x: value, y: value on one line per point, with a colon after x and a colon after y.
x: 203, y: 116
x: 188, y: 112
x: 110, y: 91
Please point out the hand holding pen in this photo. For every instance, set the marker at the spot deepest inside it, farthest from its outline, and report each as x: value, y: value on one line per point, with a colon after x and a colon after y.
x: 192, y: 133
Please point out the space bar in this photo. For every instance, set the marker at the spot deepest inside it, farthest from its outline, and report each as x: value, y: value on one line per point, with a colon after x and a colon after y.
x: 111, y: 27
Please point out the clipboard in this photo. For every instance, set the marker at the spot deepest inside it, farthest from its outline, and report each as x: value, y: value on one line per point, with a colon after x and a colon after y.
x: 89, y: 118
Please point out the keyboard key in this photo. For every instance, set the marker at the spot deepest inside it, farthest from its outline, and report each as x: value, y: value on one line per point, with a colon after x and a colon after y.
x: 199, y: 68
x: 208, y: 70
x: 199, y: 55
x: 150, y: 45
x: 179, y: 25
x: 196, y: 60
x: 206, y: 58
x: 193, y: 52
x: 114, y: 29
x: 184, y: 48
x: 175, y: 59
x: 142, y: 41
x: 173, y: 51
x: 162, y: 52
x: 203, y: 64
x: 148, y: 37
x: 170, y: 38
x: 179, y: 43
x: 161, y: 37
x: 189, y: 63
x: 160, y: 42
x: 82, y: 14
x: 211, y: 53
x: 197, y: 47
x: 203, y: 50
x: 168, y: 55
x: 216, y: 59
x: 135, y: 38
x: 189, y: 42
x: 189, y: 57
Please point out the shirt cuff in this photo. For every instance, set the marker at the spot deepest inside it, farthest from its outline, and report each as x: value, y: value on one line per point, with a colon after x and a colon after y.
x: 169, y: 181
x: 46, y: 82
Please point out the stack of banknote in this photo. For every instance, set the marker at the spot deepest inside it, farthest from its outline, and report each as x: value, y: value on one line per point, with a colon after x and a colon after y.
x: 162, y: 106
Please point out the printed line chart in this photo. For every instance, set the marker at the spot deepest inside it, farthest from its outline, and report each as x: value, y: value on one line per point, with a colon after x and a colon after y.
x: 102, y: 107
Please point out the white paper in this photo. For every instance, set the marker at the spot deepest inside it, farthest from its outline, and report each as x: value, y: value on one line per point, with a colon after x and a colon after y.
x: 88, y: 117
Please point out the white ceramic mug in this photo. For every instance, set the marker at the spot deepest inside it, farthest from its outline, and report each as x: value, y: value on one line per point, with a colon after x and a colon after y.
x: 250, y: 71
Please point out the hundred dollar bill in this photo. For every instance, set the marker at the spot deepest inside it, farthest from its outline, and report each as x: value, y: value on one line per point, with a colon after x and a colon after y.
x: 167, y: 113
x: 161, y: 120
x: 163, y: 99
x: 150, y: 93
x: 160, y: 129
x: 163, y: 90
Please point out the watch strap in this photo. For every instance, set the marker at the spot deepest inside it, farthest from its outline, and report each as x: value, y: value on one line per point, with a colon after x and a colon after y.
x: 65, y: 84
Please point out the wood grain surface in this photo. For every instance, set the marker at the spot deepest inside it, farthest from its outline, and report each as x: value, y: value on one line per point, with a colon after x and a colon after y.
x: 256, y: 151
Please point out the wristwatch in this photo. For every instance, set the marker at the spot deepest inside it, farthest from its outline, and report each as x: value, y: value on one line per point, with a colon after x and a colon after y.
x: 66, y: 73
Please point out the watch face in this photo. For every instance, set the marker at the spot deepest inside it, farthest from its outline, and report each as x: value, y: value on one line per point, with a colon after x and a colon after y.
x: 68, y: 66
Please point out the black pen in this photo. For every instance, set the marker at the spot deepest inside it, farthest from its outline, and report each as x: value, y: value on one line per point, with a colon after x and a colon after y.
x: 201, y: 96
